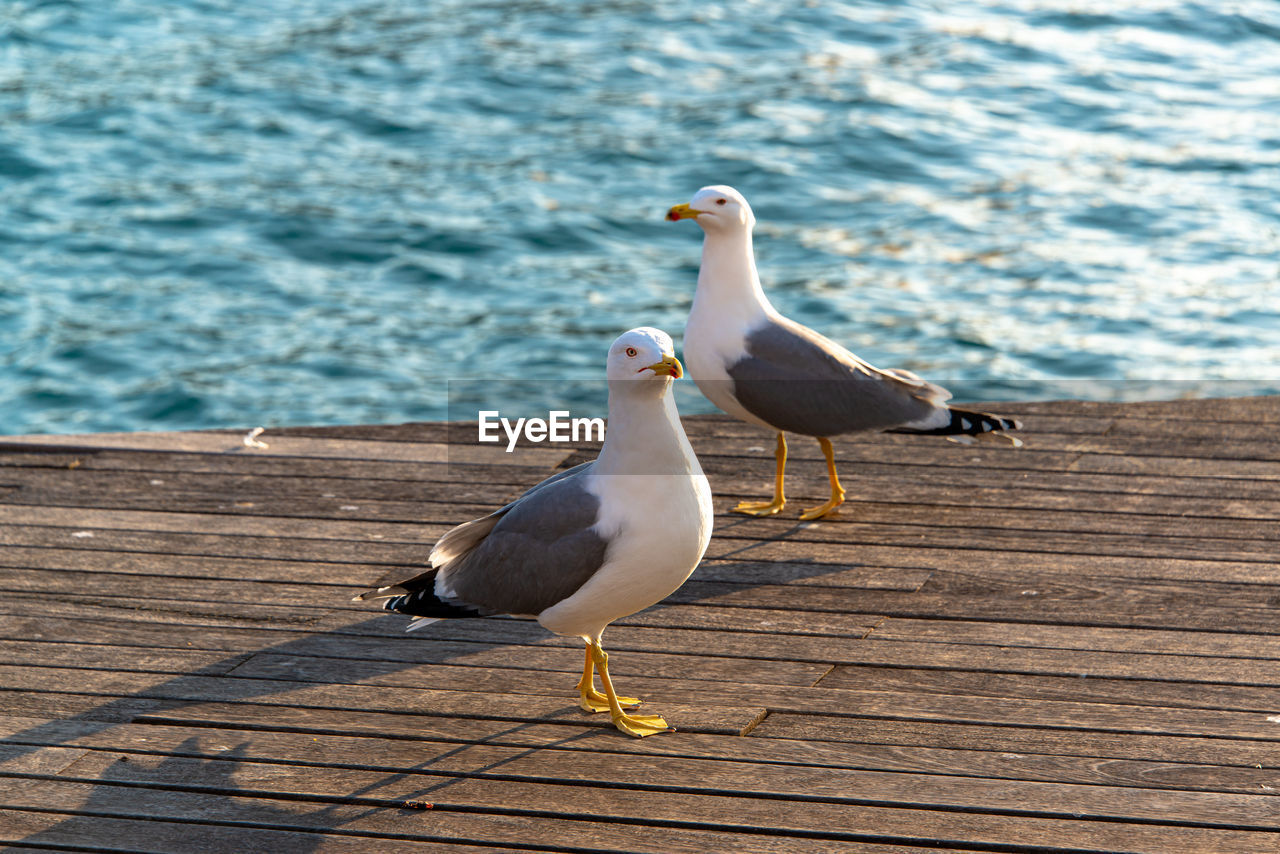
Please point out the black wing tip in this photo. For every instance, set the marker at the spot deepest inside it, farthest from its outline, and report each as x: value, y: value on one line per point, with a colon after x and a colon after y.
x: 966, y: 422
x: 425, y: 603
x: 417, y: 598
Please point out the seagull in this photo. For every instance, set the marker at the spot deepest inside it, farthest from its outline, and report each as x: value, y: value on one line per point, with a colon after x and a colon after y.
x: 767, y: 369
x: 591, y: 544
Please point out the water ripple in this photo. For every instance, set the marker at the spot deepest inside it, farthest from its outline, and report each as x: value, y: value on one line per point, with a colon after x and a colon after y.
x: 317, y: 212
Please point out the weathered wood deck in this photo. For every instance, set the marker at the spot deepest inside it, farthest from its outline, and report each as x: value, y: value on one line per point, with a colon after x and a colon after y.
x: 1073, y: 646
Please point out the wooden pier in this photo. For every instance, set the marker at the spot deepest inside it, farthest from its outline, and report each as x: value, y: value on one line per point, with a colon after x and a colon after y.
x: 1072, y: 646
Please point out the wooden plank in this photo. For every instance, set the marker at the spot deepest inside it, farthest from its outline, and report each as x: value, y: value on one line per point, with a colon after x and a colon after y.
x: 825, y: 558
x: 1163, y: 690
x: 160, y: 490
x: 295, y: 446
x: 1118, y: 434
x: 1052, y: 662
x: 1253, y: 409
x: 1012, y: 742
x: 692, y: 607
x: 709, y: 811
x: 349, y: 576
x: 86, y: 707
x: 448, y: 665
x: 265, y: 764
x: 786, y: 738
x: 696, y: 716
x: 354, y: 822
x: 972, y: 523
x: 1181, y: 467
x: 847, y: 539
x: 683, y: 611
x: 971, y: 597
x: 352, y: 740
x: 1148, y: 514
x: 93, y: 519
x: 284, y: 470
x: 1138, y: 536
x: 371, y: 551
x: 870, y: 478
x: 44, y: 829
x: 1129, y: 639
x: 40, y: 633
x: 656, y: 687
x: 102, y: 656
x: 727, y: 708
x: 781, y: 561
x: 645, y: 634
x: 925, y: 461
x: 330, y: 498
x: 795, y: 636
x: 1089, y: 602
x: 299, y: 571
x: 1040, y: 449
x: 677, y: 685
x: 487, y: 674
x: 869, y: 495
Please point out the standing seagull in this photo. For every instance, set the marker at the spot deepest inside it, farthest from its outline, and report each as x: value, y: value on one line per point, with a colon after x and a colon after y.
x: 766, y: 369
x: 589, y: 545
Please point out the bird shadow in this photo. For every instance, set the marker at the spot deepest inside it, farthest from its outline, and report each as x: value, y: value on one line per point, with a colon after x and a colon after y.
x: 201, y: 777
x: 190, y: 767
x: 367, y: 649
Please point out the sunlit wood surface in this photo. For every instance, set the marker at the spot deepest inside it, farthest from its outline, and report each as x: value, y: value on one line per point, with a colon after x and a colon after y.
x: 1070, y: 646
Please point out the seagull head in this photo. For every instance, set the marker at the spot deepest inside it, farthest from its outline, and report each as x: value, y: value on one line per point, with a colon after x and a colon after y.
x: 717, y: 209
x: 644, y: 354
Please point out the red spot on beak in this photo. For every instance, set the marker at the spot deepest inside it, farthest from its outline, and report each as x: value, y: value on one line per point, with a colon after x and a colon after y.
x: 673, y: 216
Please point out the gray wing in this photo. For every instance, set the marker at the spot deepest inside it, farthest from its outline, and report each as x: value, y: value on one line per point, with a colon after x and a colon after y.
x: 538, y: 550
x: 796, y: 380
x: 459, y: 540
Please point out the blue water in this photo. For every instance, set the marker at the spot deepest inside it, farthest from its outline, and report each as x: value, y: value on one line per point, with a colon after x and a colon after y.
x: 321, y: 211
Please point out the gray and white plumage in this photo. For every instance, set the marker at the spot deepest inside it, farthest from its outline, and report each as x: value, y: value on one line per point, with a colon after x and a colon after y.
x: 766, y: 369
x: 591, y: 544
x: 793, y: 379
x: 521, y: 559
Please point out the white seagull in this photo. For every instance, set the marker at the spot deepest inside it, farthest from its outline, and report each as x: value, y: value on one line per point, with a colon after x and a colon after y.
x: 589, y: 545
x: 766, y: 369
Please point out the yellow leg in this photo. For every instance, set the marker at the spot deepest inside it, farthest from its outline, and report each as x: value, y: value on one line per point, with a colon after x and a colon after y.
x: 593, y: 700
x: 768, y: 508
x: 837, y: 491
x: 637, y: 725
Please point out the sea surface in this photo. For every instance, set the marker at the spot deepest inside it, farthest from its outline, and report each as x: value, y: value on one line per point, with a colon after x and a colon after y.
x: 285, y: 212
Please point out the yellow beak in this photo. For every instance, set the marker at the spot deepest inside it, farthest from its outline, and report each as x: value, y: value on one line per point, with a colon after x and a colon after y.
x: 680, y: 212
x: 669, y: 367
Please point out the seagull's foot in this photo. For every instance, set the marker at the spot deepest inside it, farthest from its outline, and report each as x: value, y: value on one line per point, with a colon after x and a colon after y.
x: 593, y: 701
x: 641, y: 725
x: 761, y: 508
x: 827, y: 510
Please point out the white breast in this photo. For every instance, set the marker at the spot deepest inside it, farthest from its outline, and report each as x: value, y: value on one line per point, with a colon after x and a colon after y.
x: 712, y: 344
x: 658, y: 526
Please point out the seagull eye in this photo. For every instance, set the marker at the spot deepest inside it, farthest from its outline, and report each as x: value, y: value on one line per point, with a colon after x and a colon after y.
x: 631, y: 352
x: 721, y: 201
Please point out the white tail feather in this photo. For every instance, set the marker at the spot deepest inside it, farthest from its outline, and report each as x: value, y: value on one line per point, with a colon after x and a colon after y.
x: 419, y: 622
